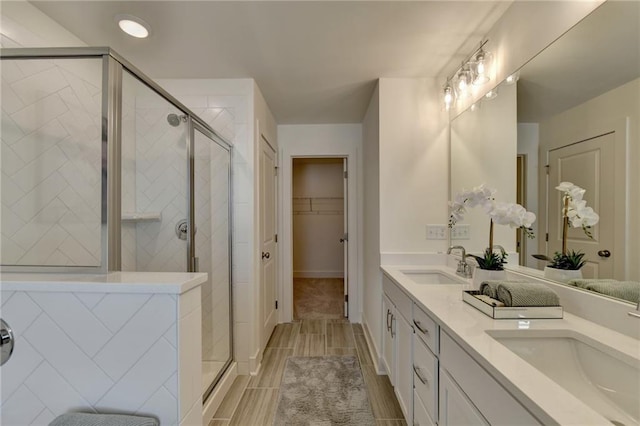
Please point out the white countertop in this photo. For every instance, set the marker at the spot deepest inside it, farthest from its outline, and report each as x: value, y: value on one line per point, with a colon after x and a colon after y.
x: 543, y: 397
x: 113, y: 282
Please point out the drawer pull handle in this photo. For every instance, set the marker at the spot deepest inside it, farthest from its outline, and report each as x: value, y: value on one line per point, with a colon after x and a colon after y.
x: 423, y: 379
x: 388, y: 324
x: 419, y: 327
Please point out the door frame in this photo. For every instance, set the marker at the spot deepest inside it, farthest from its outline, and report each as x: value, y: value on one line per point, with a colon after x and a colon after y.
x: 622, y: 241
x: 301, y: 149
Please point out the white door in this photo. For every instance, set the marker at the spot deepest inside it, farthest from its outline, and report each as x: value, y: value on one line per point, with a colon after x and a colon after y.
x: 268, y: 238
x: 345, y: 238
x: 590, y: 165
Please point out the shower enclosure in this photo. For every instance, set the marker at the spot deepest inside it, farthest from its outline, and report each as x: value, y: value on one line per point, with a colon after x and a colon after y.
x: 102, y: 170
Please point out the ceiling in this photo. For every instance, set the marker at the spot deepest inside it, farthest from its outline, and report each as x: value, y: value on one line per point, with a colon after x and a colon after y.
x: 314, y: 61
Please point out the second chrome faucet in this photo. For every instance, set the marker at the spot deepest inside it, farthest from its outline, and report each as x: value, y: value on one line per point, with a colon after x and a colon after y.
x: 463, y: 269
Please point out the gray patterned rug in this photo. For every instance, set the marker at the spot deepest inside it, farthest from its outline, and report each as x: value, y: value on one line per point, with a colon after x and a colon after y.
x: 323, y: 391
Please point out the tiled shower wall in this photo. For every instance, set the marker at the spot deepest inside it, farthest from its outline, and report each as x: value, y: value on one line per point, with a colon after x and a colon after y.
x: 51, y: 162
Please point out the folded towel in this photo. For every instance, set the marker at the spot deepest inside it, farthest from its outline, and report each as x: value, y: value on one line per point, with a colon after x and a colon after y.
x: 627, y: 290
x: 584, y: 282
x: 490, y: 287
x: 526, y: 294
x: 87, y: 419
x: 490, y: 301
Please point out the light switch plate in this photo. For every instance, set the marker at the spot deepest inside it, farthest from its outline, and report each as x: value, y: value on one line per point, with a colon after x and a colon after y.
x: 437, y: 232
x: 461, y: 232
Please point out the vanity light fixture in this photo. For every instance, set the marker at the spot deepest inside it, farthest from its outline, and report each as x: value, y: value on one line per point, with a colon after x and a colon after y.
x: 133, y: 26
x: 473, y: 71
x: 482, y: 60
x: 448, y: 96
x: 464, y: 80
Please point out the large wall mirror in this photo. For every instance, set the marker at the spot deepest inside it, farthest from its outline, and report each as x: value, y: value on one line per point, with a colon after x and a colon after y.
x: 572, y: 114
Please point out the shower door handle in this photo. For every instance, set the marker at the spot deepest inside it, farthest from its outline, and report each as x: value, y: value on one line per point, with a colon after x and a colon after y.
x: 7, y: 342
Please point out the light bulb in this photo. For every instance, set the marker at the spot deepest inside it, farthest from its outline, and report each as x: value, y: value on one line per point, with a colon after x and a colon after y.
x: 481, y: 69
x: 448, y: 97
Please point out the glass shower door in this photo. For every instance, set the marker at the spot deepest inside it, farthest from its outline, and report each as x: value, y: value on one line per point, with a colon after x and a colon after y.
x: 211, y: 195
x: 154, y: 180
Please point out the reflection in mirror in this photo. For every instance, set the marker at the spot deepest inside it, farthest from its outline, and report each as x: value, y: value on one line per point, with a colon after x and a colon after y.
x: 578, y: 111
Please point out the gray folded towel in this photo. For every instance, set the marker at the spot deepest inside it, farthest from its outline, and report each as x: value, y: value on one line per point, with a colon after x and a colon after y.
x: 627, y: 290
x: 490, y: 287
x: 584, y: 282
x: 87, y: 419
x: 526, y: 294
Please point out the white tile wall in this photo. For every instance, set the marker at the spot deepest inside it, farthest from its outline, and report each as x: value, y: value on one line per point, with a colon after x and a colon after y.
x: 50, y: 149
x: 75, y: 352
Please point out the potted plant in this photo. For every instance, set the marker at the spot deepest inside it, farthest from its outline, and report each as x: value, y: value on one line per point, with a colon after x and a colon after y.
x: 491, y: 263
x: 566, y: 265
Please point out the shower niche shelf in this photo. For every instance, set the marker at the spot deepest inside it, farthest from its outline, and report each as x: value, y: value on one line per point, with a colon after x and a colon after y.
x: 142, y: 217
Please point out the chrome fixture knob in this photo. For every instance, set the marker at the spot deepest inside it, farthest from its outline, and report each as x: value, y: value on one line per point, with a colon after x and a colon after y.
x: 604, y: 253
x: 7, y: 341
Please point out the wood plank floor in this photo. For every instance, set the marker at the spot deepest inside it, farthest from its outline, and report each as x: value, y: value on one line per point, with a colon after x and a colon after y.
x: 252, y: 401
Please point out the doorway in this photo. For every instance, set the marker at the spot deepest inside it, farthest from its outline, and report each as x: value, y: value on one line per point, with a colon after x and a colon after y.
x: 320, y: 238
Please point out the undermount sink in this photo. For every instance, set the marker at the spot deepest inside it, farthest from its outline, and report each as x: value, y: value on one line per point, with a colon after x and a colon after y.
x: 431, y: 277
x: 603, y: 378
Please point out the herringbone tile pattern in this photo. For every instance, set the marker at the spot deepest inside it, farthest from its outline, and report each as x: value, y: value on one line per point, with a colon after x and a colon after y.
x: 90, y: 351
x: 51, y: 162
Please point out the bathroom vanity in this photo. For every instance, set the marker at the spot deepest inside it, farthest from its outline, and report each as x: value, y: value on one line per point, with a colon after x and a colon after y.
x: 123, y: 342
x: 450, y: 364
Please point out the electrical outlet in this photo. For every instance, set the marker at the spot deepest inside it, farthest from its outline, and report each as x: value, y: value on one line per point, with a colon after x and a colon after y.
x: 436, y: 232
x: 461, y: 232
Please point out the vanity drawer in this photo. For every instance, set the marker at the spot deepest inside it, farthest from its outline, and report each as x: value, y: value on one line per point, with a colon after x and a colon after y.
x: 425, y: 377
x: 420, y: 415
x: 426, y: 328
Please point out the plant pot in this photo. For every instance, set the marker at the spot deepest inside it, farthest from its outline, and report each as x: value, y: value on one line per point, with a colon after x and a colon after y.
x: 562, y: 275
x: 480, y: 275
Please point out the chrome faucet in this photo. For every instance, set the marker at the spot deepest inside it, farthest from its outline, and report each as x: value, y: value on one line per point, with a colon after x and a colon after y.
x: 463, y: 269
x: 637, y: 312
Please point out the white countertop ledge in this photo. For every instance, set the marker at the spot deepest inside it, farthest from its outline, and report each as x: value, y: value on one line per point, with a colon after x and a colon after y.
x: 543, y: 397
x: 112, y: 282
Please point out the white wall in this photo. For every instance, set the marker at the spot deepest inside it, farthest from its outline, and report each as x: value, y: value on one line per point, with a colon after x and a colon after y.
x: 603, y: 112
x: 528, y: 141
x: 413, y: 165
x: 483, y: 150
x: 322, y: 140
x: 372, y: 277
x: 318, y: 218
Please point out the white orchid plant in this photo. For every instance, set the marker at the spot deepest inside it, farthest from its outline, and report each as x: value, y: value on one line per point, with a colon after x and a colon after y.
x: 576, y: 214
x: 500, y: 213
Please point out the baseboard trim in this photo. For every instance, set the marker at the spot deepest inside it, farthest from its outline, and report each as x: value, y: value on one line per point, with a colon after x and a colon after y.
x: 373, y: 350
x: 212, y: 403
x: 318, y: 274
x: 255, y: 363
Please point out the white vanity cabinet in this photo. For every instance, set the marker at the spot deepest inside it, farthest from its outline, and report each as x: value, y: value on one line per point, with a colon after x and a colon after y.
x: 397, y: 344
x: 425, y: 368
x: 489, y: 398
x: 455, y: 407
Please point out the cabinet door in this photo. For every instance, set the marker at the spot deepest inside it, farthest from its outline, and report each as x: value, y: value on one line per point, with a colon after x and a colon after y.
x: 388, y: 343
x: 404, y: 366
x: 455, y: 407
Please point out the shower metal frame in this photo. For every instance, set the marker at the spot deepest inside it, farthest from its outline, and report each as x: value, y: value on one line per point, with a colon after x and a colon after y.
x: 113, y: 66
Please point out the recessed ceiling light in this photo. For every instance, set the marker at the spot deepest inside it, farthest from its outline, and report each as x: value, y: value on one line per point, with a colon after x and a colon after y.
x: 133, y: 26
